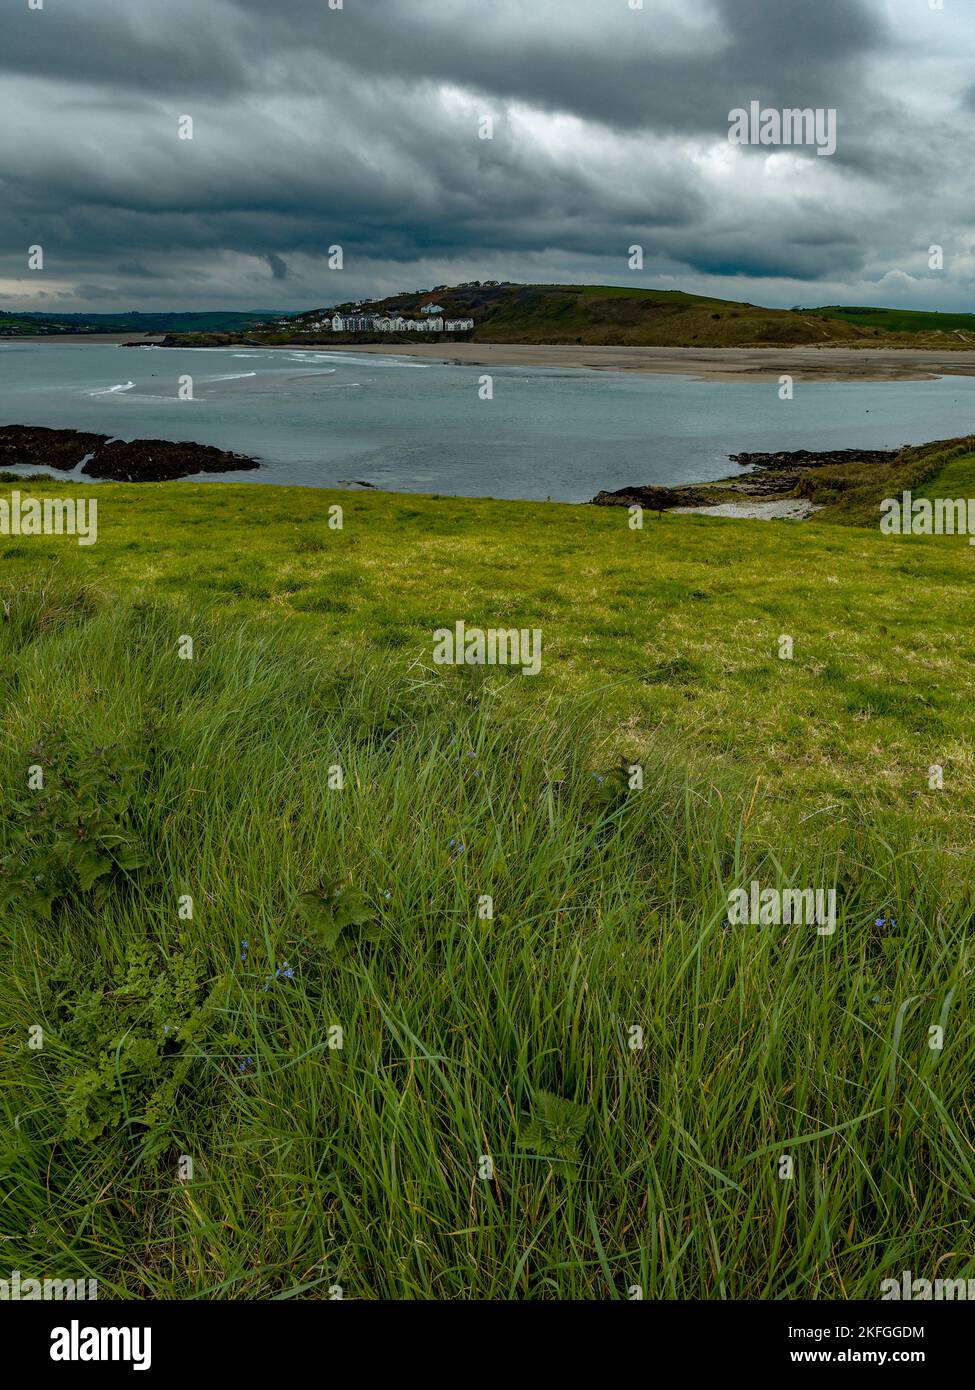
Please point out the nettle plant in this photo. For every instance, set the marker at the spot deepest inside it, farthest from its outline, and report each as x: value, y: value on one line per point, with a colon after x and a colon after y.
x: 70, y: 826
x: 337, y: 916
x: 556, y: 1128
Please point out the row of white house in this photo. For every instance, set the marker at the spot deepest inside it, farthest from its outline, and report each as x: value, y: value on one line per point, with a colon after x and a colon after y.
x: 394, y: 323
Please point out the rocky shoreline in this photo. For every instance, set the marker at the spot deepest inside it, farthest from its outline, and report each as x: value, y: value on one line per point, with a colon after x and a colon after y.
x: 115, y: 460
x: 773, y: 477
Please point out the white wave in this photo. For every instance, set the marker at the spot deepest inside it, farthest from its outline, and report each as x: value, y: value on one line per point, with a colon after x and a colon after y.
x: 113, y: 390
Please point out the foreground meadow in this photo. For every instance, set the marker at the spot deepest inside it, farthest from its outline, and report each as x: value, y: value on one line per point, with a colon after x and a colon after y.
x: 324, y: 967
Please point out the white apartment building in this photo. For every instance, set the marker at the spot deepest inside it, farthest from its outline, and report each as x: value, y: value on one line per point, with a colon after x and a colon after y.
x: 394, y: 323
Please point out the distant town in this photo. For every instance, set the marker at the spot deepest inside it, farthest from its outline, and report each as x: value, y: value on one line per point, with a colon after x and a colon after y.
x: 433, y: 321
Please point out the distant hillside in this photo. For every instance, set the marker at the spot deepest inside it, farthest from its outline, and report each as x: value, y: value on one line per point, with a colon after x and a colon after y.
x: 175, y: 321
x: 619, y: 315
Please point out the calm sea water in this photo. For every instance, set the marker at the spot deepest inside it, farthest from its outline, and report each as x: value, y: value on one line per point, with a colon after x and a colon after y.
x: 319, y: 418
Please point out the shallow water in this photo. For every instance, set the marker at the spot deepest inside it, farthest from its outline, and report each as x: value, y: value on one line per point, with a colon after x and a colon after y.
x: 321, y: 418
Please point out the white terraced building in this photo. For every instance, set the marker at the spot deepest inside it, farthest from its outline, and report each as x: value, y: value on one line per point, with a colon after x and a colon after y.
x: 394, y: 323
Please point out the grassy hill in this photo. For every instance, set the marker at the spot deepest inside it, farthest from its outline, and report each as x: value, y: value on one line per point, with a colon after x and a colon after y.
x: 356, y: 1158
x: 621, y: 315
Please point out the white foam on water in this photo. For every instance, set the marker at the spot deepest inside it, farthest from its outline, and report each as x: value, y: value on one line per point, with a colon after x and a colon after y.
x: 113, y: 390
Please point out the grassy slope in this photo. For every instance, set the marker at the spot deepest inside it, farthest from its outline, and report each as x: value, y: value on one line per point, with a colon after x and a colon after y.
x: 359, y: 1166
x: 598, y: 314
x: 674, y: 625
x: 961, y: 326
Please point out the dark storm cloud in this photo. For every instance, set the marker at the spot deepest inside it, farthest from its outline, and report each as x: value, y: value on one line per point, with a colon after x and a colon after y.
x: 314, y: 126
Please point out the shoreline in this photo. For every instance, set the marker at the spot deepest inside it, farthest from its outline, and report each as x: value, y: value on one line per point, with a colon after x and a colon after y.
x: 759, y: 364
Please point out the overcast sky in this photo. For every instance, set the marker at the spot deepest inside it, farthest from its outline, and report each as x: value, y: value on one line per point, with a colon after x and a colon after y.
x: 360, y: 127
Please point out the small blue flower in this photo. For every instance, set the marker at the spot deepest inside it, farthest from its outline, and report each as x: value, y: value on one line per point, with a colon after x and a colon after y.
x: 284, y: 971
x: 387, y: 895
x: 598, y: 777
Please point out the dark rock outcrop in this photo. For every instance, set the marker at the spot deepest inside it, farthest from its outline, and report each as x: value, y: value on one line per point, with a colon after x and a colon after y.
x: 656, y: 499
x: 118, y: 460
x: 40, y: 447
x: 814, y: 458
x: 770, y: 476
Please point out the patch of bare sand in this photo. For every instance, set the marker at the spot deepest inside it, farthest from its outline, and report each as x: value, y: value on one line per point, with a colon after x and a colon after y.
x: 786, y: 509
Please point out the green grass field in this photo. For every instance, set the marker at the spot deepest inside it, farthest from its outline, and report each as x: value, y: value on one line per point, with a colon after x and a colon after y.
x: 401, y: 1089
x: 884, y: 321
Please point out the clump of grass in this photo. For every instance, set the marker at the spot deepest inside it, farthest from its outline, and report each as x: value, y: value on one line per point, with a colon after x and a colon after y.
x: 537, y: 969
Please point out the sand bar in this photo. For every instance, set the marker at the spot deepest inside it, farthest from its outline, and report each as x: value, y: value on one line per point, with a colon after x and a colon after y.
x: 706, y: 364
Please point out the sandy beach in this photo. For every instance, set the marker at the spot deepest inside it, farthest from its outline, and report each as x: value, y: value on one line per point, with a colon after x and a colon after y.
x: 705, y: 364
